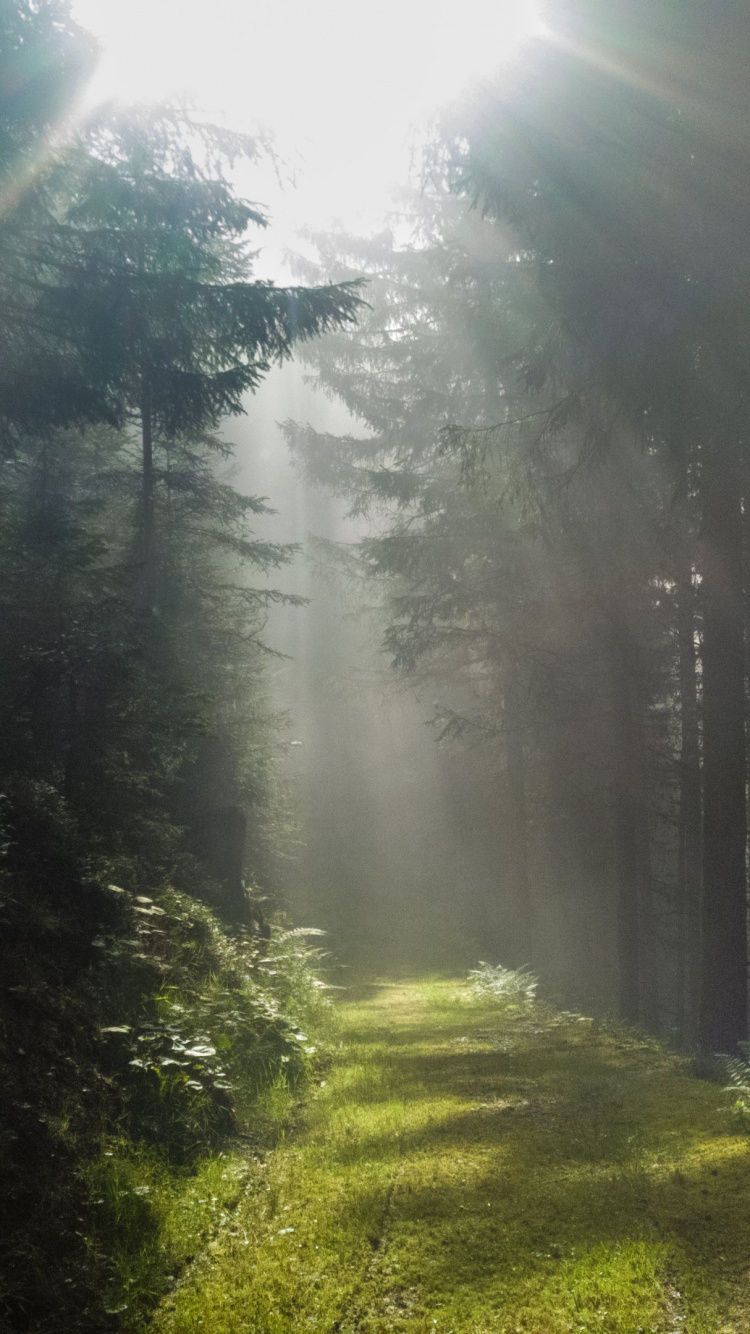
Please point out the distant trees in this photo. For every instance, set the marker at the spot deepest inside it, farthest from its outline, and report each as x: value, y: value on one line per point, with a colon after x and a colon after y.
x: 616, y: 156
x: 505, y: 563
x: 555, y: 409
x: 416, y: 363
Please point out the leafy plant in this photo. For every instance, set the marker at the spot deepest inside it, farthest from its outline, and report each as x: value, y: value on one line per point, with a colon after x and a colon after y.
x: 219, y: 1045
x: 221, y: 1023
x: 511, y: 986
x: 738, y: 1074
x: 293, y: 964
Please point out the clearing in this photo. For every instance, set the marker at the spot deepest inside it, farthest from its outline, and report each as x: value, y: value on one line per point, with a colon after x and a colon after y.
x: 466, y: 1170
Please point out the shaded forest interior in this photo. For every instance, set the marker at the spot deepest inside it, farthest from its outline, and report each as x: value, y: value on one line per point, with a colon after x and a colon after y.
x: 513, y: 719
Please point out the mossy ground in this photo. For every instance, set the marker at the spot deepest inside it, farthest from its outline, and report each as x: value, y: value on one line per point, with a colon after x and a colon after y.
x: 465, y: 1170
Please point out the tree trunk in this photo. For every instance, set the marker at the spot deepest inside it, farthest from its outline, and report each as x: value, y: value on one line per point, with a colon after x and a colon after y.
x: 723, y: 1011
x: 517, y: 809
x: 627, y: 810
x: 147, y: 482
x: 689, y: 833
x: 71, y: 748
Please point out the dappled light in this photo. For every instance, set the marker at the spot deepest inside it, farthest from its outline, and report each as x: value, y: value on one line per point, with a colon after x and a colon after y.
x: 374, y: 667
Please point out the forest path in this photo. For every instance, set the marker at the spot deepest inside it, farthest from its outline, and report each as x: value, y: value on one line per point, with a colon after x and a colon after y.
x: 465, y: 1170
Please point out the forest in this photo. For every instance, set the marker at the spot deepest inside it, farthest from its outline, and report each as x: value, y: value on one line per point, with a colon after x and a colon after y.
x: 375, y: 690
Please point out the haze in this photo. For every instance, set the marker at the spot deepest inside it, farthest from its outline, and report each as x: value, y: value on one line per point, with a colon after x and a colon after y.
x: 342, y: 86
x: 374, y: 667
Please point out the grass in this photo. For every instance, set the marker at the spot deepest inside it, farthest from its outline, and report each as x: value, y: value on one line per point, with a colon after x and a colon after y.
x: 137, y: 1171
x: 147, y: 1220
x: 468, y: 1168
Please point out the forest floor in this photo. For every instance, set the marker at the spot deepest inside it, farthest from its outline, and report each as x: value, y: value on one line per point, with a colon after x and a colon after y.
x: 464, y: 1170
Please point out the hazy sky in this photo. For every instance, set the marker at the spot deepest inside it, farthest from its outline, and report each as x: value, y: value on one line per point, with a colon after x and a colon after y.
x: 342, y: 84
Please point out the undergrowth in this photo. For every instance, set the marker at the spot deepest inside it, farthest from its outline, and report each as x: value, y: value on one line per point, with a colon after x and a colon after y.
x: 511, y: 986
x: 738, y: 1073
x: 142, y: 1043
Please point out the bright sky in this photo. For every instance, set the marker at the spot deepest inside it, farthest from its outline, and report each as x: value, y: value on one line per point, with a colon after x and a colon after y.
x: 344, y: 85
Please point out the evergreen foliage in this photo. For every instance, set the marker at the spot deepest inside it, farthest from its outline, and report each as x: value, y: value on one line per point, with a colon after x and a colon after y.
x: 614, y: 154
x: 138, y: 751
x: 555, y: 449
x: 550, y: 449
x: 526, y: 572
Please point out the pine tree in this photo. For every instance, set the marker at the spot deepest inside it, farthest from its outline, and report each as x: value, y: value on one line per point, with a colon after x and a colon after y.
x: 615, y: 154
x: 524, y: 519
x: 158, y: 290
x: 44, y: 60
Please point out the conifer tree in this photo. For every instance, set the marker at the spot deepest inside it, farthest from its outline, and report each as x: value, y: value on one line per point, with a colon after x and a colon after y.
x: 616, y: 155
x: 44, y: 60
x: 522, y: 568
x: 158, y: 288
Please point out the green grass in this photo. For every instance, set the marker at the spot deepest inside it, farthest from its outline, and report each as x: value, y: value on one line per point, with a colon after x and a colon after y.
x: 466, y: 1169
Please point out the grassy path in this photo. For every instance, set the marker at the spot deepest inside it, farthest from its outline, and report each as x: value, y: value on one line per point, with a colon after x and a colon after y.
x: 463, y: 1172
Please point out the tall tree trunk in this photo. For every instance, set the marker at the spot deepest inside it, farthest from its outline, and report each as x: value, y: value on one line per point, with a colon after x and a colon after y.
x: 147, y: 496
x: 723, y: 1011
x: 689, y: 833
x: 627, y: 814
x: 71, y: 748
x: 650, y: 946
x: 517, y: 808
x: 746, y: 583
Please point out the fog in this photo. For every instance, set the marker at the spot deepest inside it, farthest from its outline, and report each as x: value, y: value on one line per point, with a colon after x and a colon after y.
x: 385, y: 859
x: 375, y: 664
x: 397, y: 845
x: 549, y: 821
x: 387, y: 848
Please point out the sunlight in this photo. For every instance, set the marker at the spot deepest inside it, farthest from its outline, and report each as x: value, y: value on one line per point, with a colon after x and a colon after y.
x: 336, y: 81
x: 374, y: 938
x: 293, y: 56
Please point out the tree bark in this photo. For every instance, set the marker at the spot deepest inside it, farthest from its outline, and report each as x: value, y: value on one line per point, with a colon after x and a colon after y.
x: 517, y: 810
x: 689, y: 832
x: 627, y: 808
x: 147, y: 495
x: 723, y: 1009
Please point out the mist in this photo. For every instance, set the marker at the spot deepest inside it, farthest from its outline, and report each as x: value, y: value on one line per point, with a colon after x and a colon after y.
x: 380, y: 857
x: 374, y: 667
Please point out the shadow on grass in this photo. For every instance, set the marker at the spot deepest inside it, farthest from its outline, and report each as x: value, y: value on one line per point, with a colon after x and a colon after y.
x: 532, y: 1219
x: 361, y: 992
x: 592, y: 1077
x: 565, y: 1128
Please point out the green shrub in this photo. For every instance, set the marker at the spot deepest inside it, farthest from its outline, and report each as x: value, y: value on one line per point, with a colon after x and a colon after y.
x: 224, y: 1018
x: 139, y: 1037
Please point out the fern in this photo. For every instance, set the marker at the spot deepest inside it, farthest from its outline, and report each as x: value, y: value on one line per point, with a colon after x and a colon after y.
x: 738, y: 1074
x: 511, y: 986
